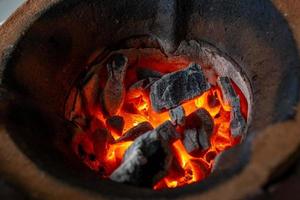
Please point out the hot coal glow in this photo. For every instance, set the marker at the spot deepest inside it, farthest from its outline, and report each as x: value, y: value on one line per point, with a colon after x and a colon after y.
x: 103, y: 123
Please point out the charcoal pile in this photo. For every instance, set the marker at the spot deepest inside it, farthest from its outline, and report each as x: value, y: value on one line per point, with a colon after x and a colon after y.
x: 120, y: 103
x: 198, y: 131
x: 237, y: 121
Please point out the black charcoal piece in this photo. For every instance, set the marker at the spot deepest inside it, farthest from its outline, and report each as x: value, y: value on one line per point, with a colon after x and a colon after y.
x: 145, y: 162
x: 116, y: 123
x: 229, y: 95
x: 145, y: 73
x: 190, y: 140
x: 196, y: 140
x: 203, y: 123
x: 203, y: 138
x: 237, y: 121
x: 114, y: 91
x: 167, y: 131
x: 200, y: 119
x: 135, y: 132
x: 177, y: 116
x: 177, y: 87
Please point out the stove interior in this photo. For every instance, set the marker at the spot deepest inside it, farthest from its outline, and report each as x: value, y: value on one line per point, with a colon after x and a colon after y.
x: 148, y: 119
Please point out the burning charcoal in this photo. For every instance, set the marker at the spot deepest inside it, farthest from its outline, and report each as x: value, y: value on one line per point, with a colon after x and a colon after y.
x: 196, y: 140
x: 91, y: 147
x: 200, y: 119
x: 82, y: 144
x: 237, y: 121
x: 116, y: 123
x: 229, y: 96
x: 203, y: 138
x: 135, y: 132
x: 145, y: 73
x: 114, y: 91
x: 190, y: 140
x: 101, y: 138
x: 177, y: 116
x: 91, y: 90
x: 199, y: 128
x: 167, y: 131
x: 145, y: 162
x: 175, y: 88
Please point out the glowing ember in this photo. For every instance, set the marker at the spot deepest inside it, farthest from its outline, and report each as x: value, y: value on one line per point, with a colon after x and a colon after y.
x: 185, y: 168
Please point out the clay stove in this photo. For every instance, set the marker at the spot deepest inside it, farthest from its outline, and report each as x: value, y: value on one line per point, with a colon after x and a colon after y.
x: 241, y: 50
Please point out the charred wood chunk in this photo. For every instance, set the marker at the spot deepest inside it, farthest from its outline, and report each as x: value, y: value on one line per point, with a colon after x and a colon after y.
x: 91, y: 147
x: 135, y: 132
x: 78, y: 113
x: 177, y: 87
x: 196, y: 140
x: 145, y: 162
x: 145, y: 73
x: 116, y: 123
x: 167, y: 131
x: 82, y: 145
x: 202, y: 125
x: 190, y: 140
x: 114, y: 91
x: 237, y: 121
x: 229, y: 95
x: 91, y: 90
x: 203, y: 138
x: 200, y: 118
x: 177, y: 116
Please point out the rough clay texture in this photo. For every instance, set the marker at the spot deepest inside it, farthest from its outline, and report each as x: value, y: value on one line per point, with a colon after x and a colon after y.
x: 253, y: 33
